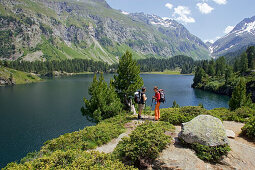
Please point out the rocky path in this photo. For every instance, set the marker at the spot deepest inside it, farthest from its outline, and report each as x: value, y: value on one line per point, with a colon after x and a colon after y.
x: 175, y: 156
x: 241, y: 156
x: 109, y: 147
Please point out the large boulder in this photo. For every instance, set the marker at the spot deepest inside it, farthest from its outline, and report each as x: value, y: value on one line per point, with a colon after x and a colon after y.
x: 204, y: 129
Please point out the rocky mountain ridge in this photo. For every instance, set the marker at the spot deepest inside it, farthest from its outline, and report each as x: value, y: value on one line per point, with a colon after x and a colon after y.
x: 60, y: 29
x: 242, y: 36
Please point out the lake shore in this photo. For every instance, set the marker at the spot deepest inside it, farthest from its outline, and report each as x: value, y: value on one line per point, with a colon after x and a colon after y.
x: 165, y: 72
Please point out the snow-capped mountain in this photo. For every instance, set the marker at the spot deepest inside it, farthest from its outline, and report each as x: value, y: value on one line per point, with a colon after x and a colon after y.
x: 242, y: 36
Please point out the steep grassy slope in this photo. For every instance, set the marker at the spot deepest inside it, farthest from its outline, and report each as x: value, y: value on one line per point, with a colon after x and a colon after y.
x: 89, y: 29
x: 19, y: 77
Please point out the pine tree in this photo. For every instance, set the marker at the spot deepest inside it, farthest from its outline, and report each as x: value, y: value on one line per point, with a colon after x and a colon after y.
x: 199, y: 74
x: 175, y: 105
x: 228, y: 74
x: 239, y: 97
x: 244, y: 63
x: 251, y: 57
x: 128, y: 79
x: 220, y: 66
x: 104, y: 102
x: 237, y: 65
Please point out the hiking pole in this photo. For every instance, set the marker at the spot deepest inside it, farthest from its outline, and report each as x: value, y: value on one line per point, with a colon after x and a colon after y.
x: 152, y: 101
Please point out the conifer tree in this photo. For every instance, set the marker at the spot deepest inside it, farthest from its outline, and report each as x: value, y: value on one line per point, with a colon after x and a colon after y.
x: 237, y: 65
x: 244, y: 63
x: 128, y: 80
x: 220, y: 66
x: 175, y: 105
x: 104, y: 102
x: 239, y: 97
x: 228, y: 74
x: 251, y: 57
x: 199, y: 74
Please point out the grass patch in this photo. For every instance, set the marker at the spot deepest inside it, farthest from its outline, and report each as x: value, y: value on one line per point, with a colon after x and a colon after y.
x: 19, y: 77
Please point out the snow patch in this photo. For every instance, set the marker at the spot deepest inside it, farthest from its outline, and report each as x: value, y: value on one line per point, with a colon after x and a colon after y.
x: 124, y: 12
x: 156, y: 20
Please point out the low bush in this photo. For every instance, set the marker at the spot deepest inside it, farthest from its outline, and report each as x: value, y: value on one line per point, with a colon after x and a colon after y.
x: 90, y: 137
x: 241, y: 114
x: 144, y: 144
x: 176, y: 116
x: 249, y: 128
x: 208, y: 153
x: 221, y: 113
x: 72, y: 160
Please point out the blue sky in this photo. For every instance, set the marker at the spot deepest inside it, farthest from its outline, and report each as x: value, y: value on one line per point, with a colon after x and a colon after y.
x: 207, y: 19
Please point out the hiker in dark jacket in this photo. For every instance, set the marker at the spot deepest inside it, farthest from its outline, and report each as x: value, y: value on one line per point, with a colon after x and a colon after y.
x: 141, y: 105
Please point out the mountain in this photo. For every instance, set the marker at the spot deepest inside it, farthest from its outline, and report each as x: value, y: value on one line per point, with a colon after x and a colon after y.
x: 208, y: 44
x: 242, y: 36
x: 90, y: 29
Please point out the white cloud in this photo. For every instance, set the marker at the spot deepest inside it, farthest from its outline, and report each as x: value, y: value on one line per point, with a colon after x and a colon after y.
x: 169, y: 6
x: 204, y: 8
x: 228, y: 29
x: 220, y: 2
x: 181, y: 13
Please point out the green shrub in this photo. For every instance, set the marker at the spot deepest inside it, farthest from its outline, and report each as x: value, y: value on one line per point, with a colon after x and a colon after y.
x: 104, y: 102
x: 241, y: 114
x: 249, y: 128
x: 208, y: 153
x: 144, y: 143
x: 88, y: 138
x: 221, y: 113
x: 72, y: 160
x: 177, y: 116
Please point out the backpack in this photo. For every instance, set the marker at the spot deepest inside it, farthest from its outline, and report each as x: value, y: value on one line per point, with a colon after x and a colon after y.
x: 162, y: 96
x: 138, y: 97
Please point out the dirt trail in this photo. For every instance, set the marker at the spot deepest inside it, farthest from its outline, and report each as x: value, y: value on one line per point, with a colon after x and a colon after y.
x: 175, y: 156
x: 241, y: 156
x: 109, y: 147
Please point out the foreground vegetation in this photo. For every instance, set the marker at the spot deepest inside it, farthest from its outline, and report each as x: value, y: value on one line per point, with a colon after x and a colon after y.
x: 144, y: 144
x: 17, y: 77
x: 70, y: 150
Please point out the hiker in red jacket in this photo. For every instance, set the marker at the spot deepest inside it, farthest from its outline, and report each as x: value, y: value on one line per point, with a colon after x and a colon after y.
x: 157, y: 98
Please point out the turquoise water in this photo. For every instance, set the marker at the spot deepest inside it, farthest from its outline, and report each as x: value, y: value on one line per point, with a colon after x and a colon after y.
x: 34, y: 113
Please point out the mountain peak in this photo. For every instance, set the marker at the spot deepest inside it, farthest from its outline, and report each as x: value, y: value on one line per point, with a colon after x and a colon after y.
x: 247, y: 25
x: 242, y: 36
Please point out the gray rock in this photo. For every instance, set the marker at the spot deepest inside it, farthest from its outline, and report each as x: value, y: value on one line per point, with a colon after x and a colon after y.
x: 204, y: 129
x: 230, y: 134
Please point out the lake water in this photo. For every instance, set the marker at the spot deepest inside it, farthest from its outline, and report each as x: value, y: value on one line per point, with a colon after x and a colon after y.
x: 34, y: 113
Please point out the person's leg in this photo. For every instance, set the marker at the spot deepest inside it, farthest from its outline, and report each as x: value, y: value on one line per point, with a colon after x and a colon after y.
x: 139, y: 111
x: 157, y: 111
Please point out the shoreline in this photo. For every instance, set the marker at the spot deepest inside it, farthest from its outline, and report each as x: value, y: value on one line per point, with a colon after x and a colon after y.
x: 166, y: 73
